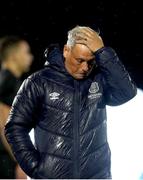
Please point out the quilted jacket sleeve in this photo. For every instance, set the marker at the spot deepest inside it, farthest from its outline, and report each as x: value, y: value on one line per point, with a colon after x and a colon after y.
x: 117, y: 84
x: 21, y: 120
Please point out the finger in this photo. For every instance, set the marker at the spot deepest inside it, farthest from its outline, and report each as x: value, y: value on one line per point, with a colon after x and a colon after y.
x: 86, y: 33
x: 81, y: 41
x: 90, y: 32
x: 100, y: 37
x: 82, y: 35
x: 94, y: 31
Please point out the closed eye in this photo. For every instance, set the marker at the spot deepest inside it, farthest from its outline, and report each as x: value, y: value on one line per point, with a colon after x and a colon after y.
x: 90, y: 62
x: 80, y: 60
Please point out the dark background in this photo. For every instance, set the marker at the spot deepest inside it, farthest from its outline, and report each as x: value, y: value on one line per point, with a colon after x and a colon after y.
x: 45, y: 22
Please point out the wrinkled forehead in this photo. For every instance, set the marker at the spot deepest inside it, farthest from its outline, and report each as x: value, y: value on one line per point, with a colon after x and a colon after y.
x: 82, y: 51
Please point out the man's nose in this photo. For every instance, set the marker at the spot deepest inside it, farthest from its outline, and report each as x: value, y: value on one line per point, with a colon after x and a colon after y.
x: 85, y: 67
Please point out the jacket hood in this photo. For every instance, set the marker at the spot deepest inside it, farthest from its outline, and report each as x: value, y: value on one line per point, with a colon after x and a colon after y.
x: 54, y: 57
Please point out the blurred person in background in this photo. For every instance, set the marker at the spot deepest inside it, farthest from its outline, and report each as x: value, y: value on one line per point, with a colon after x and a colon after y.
x: 15, y: 59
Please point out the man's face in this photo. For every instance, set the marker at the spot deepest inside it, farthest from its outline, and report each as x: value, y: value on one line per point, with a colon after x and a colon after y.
x: 23, y: 57
x: 79, y: 60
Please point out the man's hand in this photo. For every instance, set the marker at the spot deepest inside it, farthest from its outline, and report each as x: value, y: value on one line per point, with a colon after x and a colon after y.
x: 90, y: 38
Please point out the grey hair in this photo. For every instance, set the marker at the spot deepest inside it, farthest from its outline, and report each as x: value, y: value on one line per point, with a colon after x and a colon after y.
x: 72, y: 35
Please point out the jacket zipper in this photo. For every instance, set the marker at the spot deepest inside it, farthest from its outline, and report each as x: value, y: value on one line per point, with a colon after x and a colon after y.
x: 76, y: 130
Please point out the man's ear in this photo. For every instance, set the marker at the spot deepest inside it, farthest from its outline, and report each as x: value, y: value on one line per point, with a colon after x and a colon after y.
x: 66, y: 51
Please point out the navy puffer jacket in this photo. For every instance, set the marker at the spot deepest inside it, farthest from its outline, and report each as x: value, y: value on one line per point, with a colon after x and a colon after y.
x: 69, y: 118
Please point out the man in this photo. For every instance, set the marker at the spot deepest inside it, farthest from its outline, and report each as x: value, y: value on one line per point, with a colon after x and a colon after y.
x: 65, y: 103
x: 15, y: 60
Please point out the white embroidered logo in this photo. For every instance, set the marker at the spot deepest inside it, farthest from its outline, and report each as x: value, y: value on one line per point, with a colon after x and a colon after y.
x: 54, y: 95
x: 93, y: 90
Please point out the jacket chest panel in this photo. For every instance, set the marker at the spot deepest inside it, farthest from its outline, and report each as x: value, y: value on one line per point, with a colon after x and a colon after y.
x: 58, y: 96
x: 91, y: 95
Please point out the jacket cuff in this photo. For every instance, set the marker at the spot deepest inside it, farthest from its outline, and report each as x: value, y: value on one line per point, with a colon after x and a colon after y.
x: 105, y: 54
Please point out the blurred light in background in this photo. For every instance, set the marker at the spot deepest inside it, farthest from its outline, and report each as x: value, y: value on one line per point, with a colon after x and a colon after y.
x: 125, y: 136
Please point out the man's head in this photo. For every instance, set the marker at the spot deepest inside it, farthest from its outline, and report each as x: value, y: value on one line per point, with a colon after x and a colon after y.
x: 16, y: 51
x: 79, y: 60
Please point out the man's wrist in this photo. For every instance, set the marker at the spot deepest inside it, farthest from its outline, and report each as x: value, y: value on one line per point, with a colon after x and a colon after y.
x: 95, y: 52
x: 105, y: 54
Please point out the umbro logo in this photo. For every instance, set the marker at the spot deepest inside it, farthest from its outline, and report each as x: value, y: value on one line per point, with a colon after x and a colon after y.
x: 54, y: 95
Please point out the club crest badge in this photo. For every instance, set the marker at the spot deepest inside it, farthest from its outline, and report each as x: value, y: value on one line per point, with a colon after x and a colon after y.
x: 94, y: 88
x: 94, y: 91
